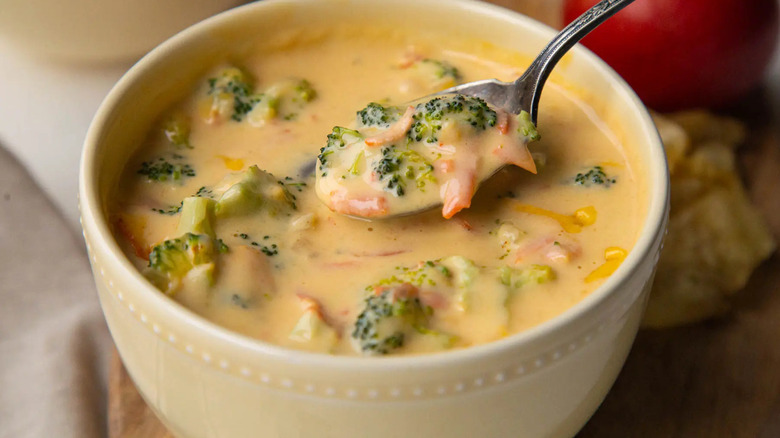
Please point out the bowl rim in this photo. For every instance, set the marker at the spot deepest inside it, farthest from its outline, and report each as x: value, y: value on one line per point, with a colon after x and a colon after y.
x: 95, y: 223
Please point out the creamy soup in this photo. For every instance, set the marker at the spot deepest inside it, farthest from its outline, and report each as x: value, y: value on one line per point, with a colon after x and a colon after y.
x: 219, y: 209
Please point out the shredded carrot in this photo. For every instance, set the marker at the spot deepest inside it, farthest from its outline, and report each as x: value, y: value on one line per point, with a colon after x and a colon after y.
x: 131, y: 236
x: 395, y: 132
x: 367, y: 206
x: 309, y: 304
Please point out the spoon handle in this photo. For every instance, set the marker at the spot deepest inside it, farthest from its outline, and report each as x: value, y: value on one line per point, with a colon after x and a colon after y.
x: 529, y: 86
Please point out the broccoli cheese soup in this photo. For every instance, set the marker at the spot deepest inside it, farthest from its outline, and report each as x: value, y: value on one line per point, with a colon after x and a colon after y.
x: 219, y: 208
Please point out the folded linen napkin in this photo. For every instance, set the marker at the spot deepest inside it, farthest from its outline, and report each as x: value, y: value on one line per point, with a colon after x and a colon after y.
x: 54, y: 345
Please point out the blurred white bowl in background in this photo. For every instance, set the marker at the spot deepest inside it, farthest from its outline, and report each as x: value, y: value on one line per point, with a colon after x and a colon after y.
x: 99, y: 30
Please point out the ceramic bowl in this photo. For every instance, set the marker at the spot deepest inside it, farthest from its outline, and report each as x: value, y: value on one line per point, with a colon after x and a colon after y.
x: 205, y: 381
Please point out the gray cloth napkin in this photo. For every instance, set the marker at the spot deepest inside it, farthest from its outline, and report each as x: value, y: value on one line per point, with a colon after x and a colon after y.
x: 54, y: 345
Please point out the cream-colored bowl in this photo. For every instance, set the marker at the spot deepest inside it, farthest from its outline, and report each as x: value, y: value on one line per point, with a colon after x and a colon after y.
x: 205, y: 381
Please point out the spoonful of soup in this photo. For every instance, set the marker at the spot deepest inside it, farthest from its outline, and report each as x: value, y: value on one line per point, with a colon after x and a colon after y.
x: 434, y: 152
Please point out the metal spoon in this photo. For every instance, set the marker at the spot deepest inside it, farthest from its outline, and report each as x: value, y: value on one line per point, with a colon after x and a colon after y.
x: 524, y: 93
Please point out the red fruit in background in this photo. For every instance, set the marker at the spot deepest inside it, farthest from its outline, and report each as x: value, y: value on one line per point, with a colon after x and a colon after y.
x: 686, y: 53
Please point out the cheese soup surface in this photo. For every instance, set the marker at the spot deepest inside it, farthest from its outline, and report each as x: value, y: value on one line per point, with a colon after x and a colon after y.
x: 218, y: 207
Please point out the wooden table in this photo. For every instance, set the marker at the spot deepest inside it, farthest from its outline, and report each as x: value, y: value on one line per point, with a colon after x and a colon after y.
x: 720, y: 378
x: 716, y: 379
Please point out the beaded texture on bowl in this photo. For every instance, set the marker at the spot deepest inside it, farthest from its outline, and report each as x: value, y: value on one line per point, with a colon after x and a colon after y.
x: 369, y: 393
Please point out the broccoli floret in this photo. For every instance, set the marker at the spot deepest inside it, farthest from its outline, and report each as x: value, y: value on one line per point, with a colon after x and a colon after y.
x: 440, y: 69
x: 418, y: 169
x: 435, y: 74
x: 388, y: 169
x: 177, y: 130
x: 375, y: 114
x: 263, y: 109
x: 594, y: 176
x: 232, y: 80
x: 394, y: 316
x: 197, y: 216
x: 233, y: 91
x: 253, y: 191
x: 463, y: 270
x: 285, y: 99
x: 526, y: 127
x: 393, y: 311
x: 518, y: 277
x: 336, y: 137
x: 304, y: 91
x: 398, y: 168
x: 430, y: 116
x: 463, y: 273
x: 173, y: 259
x: 335, y: 141
x: 399, y: 164
x: 294, y: 90
x: 387, y: 319
x: 395, y: 168
x: 164, y: 170
x: 232, y: 86
x: 176, y: 256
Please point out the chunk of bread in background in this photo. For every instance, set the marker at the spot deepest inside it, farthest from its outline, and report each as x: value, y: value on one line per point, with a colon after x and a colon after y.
x: 716, y: 238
